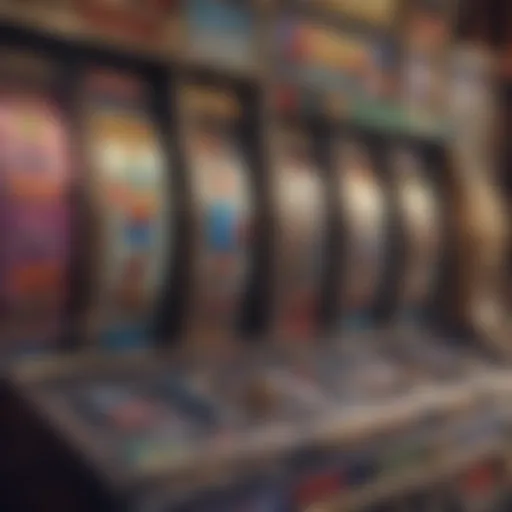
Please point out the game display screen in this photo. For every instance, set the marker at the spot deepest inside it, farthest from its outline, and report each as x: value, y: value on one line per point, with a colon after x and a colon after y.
x: 302, y: 234
x: 129, y: 185
x: 421, y: 216
x: 364, y: 208
x: 35, y: 214
x: 220, y: 179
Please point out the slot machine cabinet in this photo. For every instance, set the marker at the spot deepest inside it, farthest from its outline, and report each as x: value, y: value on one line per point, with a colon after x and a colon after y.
x: 230, y: 253
x: 69, y: 403
x: 39, y: 178
x: 416, y: 167
x: 362, y: 252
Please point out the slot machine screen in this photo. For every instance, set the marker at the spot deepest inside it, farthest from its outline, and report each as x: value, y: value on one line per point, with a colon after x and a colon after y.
x: 128, y: 186
x: 302, y: 234
x: 421, y: 220
x: 223, y: 205
x: 35, y: 185
x: 364, y: 210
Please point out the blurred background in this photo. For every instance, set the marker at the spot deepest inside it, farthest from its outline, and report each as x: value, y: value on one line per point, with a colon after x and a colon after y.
x: 255, y: 255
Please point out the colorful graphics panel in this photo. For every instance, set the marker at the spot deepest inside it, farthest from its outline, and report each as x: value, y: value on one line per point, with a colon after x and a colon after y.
x: 34, y: 215
x: 222, y: 32
x: 319, y: 58
x: 130, y: 185
x: 221, y: 183
x: 363, y: 206
x: 301, y: 210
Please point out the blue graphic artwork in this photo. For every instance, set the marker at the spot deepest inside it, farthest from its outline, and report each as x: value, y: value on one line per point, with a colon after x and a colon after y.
x: 221, y: 227
x: 356, y: 321
x: 138, y: 233
x: 124, y: 337
x: 217, y: 16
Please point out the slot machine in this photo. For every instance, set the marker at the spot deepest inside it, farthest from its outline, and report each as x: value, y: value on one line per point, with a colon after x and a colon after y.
x: 416, y: 168
x: 38, y: 176
x: 247, y: 383
x: 363, y: 254
x: 110, y: 400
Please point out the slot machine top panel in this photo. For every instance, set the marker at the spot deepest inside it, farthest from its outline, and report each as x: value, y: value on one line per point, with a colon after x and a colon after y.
x: 313, y: 55
x: 223, y: 32
x: 129, y: 188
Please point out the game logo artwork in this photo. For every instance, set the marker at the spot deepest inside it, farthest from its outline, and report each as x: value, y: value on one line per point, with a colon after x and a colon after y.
x: 301, y: 214
x: 128, y: 188
x: 363, y: 204
x: 320, y: 57
x: 420, y: 211
x: 381, y: 13
x: 220, y: 179
x: 221, y: 31
x: 34, y: 216
x: 153, y: 23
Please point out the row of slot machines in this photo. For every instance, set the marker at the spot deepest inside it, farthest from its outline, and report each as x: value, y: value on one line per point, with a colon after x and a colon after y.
x: 295, y: 276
